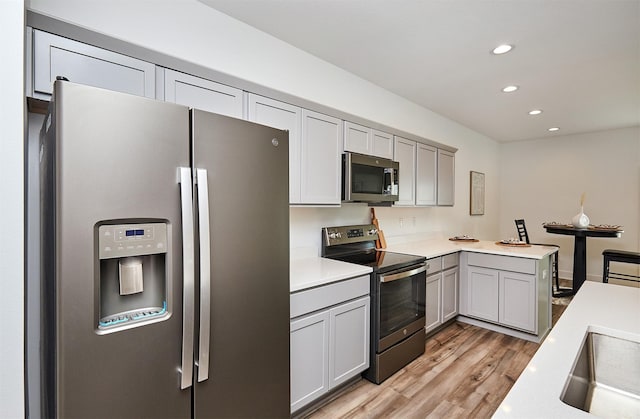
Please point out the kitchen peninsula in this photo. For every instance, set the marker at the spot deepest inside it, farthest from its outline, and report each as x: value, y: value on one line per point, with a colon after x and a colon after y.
x: 607, y: 309
x: 502, y: 288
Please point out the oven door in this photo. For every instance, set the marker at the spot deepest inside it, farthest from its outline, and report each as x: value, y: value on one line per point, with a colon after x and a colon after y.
x: 400, y: 305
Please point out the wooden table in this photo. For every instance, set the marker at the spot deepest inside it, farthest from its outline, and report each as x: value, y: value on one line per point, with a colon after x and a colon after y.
x: 580, y: 248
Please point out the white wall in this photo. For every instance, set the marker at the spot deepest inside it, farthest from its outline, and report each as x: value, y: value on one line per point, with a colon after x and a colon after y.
x: 11, y: 209
x: 542, y: 180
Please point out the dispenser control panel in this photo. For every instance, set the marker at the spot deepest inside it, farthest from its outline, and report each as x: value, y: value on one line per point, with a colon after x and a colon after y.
x: 121, y: 240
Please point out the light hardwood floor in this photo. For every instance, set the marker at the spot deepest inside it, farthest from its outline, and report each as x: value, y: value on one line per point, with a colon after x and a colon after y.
x: 465, y: 372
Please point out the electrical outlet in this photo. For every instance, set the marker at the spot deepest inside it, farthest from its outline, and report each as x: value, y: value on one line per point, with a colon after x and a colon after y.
x: 401, y: 221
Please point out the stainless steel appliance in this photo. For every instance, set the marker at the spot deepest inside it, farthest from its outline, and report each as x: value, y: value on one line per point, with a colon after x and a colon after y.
x: 398, y: 296
x: 165, y: 293
x: 369, y: 179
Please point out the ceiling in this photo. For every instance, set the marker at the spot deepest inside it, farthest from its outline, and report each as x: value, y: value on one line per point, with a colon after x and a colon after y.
x: 577, y: 60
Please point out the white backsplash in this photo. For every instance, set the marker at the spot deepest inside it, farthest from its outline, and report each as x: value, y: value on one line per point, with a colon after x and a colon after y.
x: 400, y: 225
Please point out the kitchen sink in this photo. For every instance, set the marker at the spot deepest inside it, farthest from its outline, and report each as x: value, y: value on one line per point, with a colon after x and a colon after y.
x: 605, y: 380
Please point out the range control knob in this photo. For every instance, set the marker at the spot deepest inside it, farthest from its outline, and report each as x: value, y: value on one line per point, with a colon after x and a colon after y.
x: 335, y: 235
x: 372, y: 231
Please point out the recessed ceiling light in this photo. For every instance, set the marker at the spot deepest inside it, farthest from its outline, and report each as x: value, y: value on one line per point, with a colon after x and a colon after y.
x: 535, y: 112
x: 553, y: 129
x: 502, y: 49
x: 510, y: 89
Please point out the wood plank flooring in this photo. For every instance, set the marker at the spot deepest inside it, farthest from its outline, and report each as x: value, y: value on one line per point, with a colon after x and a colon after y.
x: 466, y: 371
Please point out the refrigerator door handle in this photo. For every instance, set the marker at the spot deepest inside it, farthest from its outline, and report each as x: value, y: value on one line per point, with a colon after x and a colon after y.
x: 205, y: 274
x: 188, y: 267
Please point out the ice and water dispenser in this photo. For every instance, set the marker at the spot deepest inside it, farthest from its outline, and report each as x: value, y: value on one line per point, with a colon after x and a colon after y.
x: 132, y: 274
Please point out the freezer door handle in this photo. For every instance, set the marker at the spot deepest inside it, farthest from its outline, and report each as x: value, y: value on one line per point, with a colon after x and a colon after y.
x: 188, y: 267
x: 205, y: 274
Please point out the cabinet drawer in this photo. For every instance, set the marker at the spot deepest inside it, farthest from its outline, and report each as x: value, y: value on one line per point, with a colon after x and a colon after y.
x: 435, y: 265
x: 307, y: 301
x: 450, y: 260
x: 504, y: 263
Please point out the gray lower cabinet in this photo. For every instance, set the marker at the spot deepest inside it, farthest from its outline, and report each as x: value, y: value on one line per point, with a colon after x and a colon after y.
x: 509, y: 291
x: 54, y: 56
x: 309, y: 359
x: 329, y: 338
x: 442, y: 291
x: 348, y: 332
x: 450, y: 286
x: 207, y: 95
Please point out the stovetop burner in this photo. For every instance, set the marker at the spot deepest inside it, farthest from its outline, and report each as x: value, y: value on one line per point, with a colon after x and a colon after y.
x: 356, y: 244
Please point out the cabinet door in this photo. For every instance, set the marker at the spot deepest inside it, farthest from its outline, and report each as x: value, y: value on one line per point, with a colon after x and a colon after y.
x: 426, y: 174
x: 85, y: 64
x: 309, y: 358
x: 348, y: 341
x: 449, y: 294
x: 404, y: 152
x: 321, y: 169
x: 357, y: 138
x: 282, y: 116
x: 518, y: 300
x: 482, y: 293
x: 188, y: 90
x: 382, y: 144
x: 432, y: 302
x: 446, y: 178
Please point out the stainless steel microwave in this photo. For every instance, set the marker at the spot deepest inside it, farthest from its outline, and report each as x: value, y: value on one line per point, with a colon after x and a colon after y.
x: 369, y: 179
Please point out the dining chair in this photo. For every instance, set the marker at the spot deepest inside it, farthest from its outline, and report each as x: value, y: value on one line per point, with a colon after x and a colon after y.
x: 524, y: 236
x: 622, y: 256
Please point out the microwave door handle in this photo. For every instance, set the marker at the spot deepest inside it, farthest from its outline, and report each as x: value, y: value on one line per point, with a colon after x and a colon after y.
x: 405, y: 274
x: 205, y: 274
x: 188, y: 273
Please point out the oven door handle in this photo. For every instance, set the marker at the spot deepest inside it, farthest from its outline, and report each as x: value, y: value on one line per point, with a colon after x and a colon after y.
x: 405, y: 274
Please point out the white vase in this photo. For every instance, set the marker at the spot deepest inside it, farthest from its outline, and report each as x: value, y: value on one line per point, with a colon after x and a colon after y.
x: 580, y: 220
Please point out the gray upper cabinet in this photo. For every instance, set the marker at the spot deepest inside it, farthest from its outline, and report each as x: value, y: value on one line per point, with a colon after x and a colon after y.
x: 282, y: 116
x: 85, y: 64
x: 357, y: 138
x: 321, y: 165
x: 405, y: 154
x: 207, y: 95
x: 426, y: 175
x: 382, y: 144
x: 364, y: 140
x: 446, y: 178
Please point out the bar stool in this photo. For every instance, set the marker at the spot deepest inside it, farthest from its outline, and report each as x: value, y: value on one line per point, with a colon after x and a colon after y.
x: 612, y: 255
x: 524, y: 236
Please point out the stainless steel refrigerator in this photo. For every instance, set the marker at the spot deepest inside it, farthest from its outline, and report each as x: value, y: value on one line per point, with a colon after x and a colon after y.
x: 165, y: 260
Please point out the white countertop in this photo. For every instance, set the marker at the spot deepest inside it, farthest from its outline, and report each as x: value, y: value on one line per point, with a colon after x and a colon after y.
x: 604, y: 308
x: 438, y: 247
x: 316, y: 271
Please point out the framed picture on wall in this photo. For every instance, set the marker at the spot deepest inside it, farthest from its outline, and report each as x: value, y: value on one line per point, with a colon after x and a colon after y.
x: 476, y: 198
